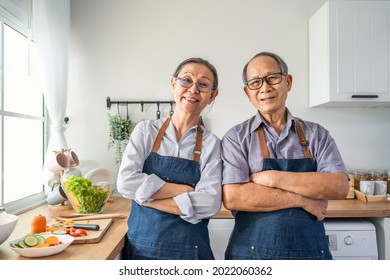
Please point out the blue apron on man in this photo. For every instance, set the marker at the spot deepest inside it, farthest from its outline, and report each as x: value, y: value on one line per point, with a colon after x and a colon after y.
x: 154, y: 234
x: 288, y: 234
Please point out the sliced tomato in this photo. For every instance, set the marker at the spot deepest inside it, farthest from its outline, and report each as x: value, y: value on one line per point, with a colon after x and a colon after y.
x: 74, y: 234
x: 81, y: 231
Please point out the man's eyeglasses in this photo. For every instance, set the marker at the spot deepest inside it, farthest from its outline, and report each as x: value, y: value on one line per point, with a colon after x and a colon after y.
x: 202, y: 86
x: 271, y: 79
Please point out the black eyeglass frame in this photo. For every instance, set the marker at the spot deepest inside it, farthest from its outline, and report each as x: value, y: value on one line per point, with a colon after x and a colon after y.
x: 266, y: 79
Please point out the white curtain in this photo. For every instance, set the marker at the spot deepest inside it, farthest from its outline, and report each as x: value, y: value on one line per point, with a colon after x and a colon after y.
x: 51, y: 25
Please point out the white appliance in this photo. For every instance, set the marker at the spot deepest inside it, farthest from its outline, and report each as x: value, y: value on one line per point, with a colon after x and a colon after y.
x: 351, y: 239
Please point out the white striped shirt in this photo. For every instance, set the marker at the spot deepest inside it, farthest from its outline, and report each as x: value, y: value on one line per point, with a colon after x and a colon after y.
x: 200, y: 204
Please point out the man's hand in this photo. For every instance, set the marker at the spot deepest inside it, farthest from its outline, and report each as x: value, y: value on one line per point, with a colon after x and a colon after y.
x: 315, y: 207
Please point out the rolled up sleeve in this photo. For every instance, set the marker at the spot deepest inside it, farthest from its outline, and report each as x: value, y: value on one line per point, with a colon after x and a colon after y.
x: 206, y: 200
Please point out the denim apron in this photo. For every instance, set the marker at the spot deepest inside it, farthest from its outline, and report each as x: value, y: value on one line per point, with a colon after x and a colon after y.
x: 157, y: 235
x: 288, y: 234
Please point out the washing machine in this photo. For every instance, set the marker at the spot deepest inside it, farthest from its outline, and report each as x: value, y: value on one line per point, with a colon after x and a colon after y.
x: 351, y: 239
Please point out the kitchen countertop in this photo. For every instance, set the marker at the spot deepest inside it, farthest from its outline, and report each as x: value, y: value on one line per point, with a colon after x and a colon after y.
x: 349, y: 208
x: 110, y: 245
x: 107, y: 248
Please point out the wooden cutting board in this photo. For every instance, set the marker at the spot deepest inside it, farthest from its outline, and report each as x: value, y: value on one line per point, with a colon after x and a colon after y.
x: 94, y: 236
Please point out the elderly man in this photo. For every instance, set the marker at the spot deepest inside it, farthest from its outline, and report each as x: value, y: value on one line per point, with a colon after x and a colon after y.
x: 278, y: 172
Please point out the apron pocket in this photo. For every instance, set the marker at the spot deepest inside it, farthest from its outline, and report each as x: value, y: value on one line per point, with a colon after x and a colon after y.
x: 147, y: 250
x: 266, y: 254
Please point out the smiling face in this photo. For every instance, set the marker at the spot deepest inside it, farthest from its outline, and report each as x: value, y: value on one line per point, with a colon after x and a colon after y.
x: 192, y: 88
x: 270, y: 100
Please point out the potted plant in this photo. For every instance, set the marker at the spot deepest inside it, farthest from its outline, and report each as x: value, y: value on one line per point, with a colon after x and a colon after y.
x: 120, y: 130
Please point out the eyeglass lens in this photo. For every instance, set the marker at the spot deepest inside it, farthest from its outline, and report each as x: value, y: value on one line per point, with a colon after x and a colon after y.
x: 271, y: 79
x: 202, y: 86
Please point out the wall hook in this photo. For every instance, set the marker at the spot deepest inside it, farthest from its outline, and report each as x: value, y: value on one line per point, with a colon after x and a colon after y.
x: 158, y: 110
x: 171, y: 112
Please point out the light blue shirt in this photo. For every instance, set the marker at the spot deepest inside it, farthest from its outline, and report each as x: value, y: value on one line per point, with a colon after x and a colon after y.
x: 241, y: 154
x: 200, y: 204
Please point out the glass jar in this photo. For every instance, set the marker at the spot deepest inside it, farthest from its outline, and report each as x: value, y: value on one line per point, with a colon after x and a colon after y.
x: 386, y: 177
x: 359, y: 175
x: 373, y: 175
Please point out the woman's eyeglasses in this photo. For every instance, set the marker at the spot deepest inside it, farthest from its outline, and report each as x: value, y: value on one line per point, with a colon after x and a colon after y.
x: 201, y: 86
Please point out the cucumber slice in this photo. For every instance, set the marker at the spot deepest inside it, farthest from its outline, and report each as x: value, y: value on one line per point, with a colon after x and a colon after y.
x: 31, y: 241
x: 40, y: 238
x: 22, y: 244
x: 15, y: 245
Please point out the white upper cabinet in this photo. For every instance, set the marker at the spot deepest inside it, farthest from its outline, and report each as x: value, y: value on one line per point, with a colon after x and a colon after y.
x: 349, y: 54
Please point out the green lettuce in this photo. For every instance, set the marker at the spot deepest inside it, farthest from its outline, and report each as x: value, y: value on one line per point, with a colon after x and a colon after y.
x: 90, y: 199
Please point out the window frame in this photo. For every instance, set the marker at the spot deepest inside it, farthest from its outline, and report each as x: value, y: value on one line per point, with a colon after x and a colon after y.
x: 25, y: 204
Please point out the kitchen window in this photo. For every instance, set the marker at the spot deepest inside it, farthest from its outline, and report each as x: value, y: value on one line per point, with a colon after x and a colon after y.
x: 23, y: 129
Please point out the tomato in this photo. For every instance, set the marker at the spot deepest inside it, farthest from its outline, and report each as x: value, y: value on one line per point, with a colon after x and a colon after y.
x: 81, y: 231
x: 76, y: 232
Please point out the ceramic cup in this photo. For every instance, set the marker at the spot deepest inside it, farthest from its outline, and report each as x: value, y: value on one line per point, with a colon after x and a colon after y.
x: 73, y: 159
x: 380, y: 188
x: 58, y: 163
x: 57, y: 194
x: 367, y: 187
x: 71, y: 171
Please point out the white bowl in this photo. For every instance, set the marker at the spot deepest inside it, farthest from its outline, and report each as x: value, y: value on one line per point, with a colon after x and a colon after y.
x: 98, y: 175
x: 44, y: 251
x: 86, y: 165
x: 7, y: 225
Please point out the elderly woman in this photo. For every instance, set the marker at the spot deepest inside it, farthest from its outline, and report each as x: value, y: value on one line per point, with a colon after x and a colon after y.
x: 171, y: 170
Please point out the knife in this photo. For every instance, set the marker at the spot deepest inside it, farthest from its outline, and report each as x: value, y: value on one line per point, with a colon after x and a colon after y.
x: 87, y: 226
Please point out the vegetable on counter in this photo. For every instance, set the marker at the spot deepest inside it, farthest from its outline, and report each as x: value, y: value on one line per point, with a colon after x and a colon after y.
x: 68, y: 227
x: 38, y: 224
x: 76, y: 232
x: 37, y: 241
x: 90, y: 199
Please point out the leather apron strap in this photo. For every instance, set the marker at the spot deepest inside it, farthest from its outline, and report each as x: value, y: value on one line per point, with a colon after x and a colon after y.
x: 263, y: 145
x: 302, y: 141
x: 198, y: 143
x: 160, y: 136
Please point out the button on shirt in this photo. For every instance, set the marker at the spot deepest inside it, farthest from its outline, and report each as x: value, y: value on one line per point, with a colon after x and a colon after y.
x: 204, y: 201
x: 241, y: 152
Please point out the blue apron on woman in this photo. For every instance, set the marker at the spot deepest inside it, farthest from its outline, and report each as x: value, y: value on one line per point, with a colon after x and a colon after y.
x: 154, y: 234
x: 288, y: 234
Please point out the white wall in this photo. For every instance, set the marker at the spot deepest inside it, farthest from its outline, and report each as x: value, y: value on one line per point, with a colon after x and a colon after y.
x: 128, y: 50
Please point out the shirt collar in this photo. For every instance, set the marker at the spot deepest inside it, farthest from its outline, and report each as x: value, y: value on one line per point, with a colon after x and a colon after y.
x: 258, y: 120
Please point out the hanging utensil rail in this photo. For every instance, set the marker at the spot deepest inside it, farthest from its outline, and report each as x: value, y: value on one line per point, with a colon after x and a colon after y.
x: 109, y: 102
